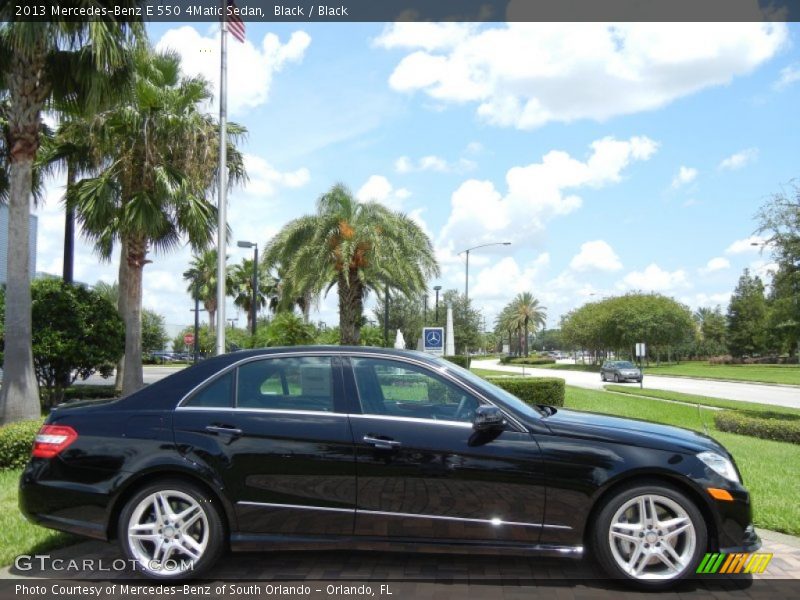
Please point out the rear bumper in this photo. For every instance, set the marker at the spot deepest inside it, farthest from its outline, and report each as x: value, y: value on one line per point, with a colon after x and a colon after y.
x: 73, y: 507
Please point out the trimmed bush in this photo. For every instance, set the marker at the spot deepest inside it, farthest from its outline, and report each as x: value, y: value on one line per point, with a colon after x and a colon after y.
x: 533, y: 360
x: 459, y: 359
x: 780, y: 427
x: 16, y: 441
x: 89, y: 392
x: 533, y: 390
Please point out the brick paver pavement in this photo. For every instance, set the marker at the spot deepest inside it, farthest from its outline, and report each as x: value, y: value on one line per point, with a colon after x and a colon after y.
x: 433, y: 576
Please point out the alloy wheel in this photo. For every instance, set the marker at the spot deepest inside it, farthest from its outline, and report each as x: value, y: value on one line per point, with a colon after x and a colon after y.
x: 168, y: 532
x: 652, y: 537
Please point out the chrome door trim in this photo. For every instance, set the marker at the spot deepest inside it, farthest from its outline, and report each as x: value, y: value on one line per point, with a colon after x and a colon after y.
x: 497, y: 522
x: 464, y: 424
x: 296, y: 506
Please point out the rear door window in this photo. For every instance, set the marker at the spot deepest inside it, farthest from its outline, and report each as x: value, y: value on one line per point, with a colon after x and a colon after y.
x: 288, y: 383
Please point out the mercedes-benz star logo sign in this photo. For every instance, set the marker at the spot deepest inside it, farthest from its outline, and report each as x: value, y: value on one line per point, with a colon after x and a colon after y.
x: 433, y: 338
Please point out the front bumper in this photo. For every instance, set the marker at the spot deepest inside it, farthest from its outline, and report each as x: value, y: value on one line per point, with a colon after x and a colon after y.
x: 750, y: 542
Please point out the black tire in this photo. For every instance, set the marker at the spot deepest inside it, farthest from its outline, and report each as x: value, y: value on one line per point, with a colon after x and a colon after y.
x: 602, y: 376
x: 601, y: 545
x: 215, y: 546
x: 616, y: 378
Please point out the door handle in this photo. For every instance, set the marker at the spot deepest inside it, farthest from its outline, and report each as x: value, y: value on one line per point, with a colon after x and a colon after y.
x: 224, y: 430
x: 381, y: 443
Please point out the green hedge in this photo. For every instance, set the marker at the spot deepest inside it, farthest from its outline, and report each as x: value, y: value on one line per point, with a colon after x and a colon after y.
x: 533, y: 390
x: 534, y: 360
x: 780, y: 427
x: 529, y: 360
x: 89, y: 392
x: 16, y: 441
x: 459, y: 359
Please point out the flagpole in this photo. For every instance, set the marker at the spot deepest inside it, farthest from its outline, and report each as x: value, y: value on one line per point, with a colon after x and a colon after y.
x: 222, y: 203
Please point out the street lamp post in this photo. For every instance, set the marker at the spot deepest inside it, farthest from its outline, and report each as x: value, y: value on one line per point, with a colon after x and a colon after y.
x: 467, y: 251
x: 254, y: 304
x: 196, y: 309
x: 436, y: 289
x: 466, y: 274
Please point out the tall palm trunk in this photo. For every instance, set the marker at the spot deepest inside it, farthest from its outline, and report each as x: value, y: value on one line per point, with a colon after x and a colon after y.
x: 122, y: 281
x: 136, y: 257
x: 211, y: 309
x: 19, y: 394
x: 526, y: 336
x: 351, y: 308
x: 69, y: 228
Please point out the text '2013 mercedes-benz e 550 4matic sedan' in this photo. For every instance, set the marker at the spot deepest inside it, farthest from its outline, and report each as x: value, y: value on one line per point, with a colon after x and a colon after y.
x: 360, y: 447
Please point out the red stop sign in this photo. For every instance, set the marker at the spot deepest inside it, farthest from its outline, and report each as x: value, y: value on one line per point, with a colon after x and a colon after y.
x: 188, y: 339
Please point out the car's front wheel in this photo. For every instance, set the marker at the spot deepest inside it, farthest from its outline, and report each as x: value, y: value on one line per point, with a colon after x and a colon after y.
x: 653, y: 535
x: 171, y: 529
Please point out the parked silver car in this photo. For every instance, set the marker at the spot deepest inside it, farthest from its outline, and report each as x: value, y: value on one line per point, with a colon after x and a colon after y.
x: 620, y: 370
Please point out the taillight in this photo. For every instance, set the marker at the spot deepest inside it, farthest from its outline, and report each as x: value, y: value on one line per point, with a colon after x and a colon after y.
x: 52, y: 439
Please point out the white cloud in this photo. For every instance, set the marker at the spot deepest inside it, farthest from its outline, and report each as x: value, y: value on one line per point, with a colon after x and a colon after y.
x: 718, y: 263
x: 753, y: 244
x: 434, y: 163
x: 739, y: 160
x: 524, y: 75
x: 264, y: 179
x: 788, y: 76
x: 505, y: 278
x: 763, y: 268
x: 251, y: 68
x: 535, y: 193
x: 377, y: 188
x: 596, y: 255
x: 703, y: 299
x: 684, y: 176
x: 654, y: 278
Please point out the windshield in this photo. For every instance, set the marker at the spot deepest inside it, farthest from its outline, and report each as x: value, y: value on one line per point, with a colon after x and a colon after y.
x: 625, y: 364
x: 484, y: 386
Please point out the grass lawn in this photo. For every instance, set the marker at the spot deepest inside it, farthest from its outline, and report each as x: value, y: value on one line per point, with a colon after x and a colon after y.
x: 493, y: 373
x: 771, y: 470
x: 17, y: 535
x: 783, y: 374
x: 703, y: 400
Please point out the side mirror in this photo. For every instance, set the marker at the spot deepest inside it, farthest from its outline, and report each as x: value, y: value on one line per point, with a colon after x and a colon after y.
x: 488, y: 418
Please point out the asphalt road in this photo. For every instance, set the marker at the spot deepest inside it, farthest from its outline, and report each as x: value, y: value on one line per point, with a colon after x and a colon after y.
x: 776, y: 395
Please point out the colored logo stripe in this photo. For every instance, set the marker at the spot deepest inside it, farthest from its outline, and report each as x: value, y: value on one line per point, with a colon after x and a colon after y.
x: 736, y: 563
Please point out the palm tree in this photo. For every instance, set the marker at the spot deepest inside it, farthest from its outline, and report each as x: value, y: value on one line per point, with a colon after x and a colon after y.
x: 241, y: 289
x: 153, y: 193
x: 358, y: 247
x: 56, y: 62
x: 202, y: 279
x: 526, y: 311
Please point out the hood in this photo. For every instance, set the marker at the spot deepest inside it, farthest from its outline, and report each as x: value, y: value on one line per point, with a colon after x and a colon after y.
x: 632, y: 432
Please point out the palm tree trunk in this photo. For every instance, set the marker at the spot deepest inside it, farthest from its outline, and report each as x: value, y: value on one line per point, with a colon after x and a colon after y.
x: 526, y: 337
x: 19, y: 394
x: 136, y: 255
x: 69, y: 228
x: 212, y: 321
x: 122, y: 283
x: 350, y: 310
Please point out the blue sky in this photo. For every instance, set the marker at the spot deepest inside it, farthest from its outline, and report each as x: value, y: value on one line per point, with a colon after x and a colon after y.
x: 614, y: 158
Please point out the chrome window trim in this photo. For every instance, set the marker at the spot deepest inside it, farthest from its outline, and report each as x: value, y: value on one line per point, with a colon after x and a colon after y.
x: 496, y: 522
x: 276, y: 411
x: 347, y: 354
x: 464, y: 424
x: 235, y: 365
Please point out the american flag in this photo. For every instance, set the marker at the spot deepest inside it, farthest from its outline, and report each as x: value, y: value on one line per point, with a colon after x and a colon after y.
x: 235, y: 23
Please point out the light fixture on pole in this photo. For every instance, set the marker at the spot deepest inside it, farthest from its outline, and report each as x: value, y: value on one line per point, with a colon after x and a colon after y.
x: 254, y: 302
x: 436, y: 289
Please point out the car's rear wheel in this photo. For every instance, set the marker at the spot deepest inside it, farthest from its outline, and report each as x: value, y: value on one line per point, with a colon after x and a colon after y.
x: 171, y: 529
x: 602, y: 376
x: 652, y: 535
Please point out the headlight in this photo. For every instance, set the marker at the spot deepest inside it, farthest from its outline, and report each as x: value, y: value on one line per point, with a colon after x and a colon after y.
x: 720, y: 464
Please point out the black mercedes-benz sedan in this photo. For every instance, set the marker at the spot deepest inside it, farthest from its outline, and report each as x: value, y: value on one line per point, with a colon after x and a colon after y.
x: 374, y: 448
